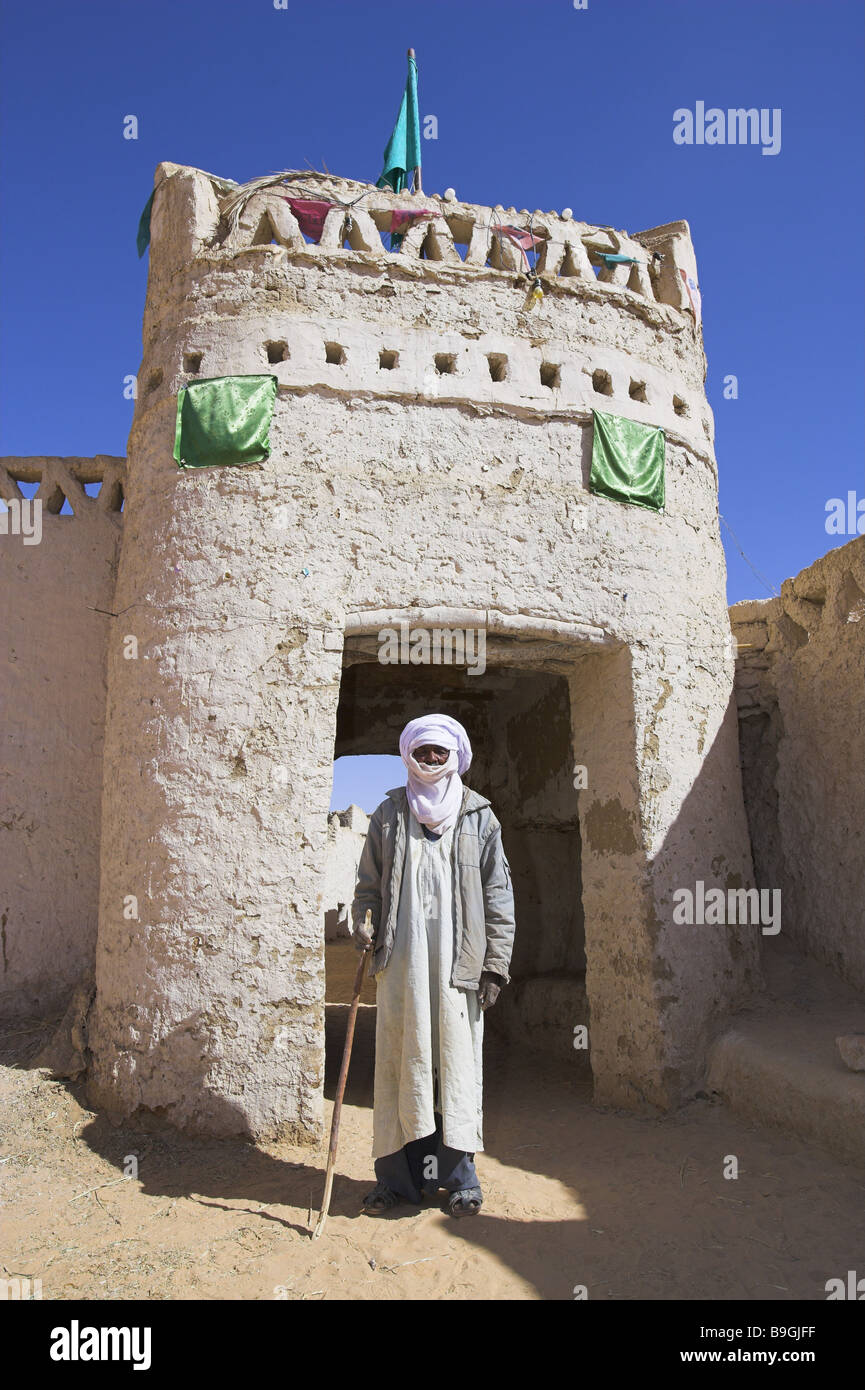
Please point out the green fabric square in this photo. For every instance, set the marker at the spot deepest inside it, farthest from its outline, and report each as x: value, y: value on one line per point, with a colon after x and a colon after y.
x: 224, y: 420
x: 627, y: 461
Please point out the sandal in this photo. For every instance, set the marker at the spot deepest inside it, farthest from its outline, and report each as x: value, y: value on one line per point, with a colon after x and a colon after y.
x: 381, y: 1198
x: 467, y: 1202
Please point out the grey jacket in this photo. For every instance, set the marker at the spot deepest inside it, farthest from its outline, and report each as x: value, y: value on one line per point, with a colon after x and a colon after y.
x: 483, y: 895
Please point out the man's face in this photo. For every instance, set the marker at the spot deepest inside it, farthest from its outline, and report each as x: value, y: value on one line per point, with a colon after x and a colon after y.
x: 431, y: 754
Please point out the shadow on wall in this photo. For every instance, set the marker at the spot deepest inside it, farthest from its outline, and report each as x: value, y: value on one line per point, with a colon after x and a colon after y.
x: 711, y: 815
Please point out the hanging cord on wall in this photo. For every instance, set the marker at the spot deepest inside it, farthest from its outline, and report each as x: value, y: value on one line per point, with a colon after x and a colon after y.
x: 772, y: 590
x: 536, y: 293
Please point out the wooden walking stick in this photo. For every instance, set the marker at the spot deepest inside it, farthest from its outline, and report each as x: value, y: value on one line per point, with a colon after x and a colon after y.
x: 343, y: 1076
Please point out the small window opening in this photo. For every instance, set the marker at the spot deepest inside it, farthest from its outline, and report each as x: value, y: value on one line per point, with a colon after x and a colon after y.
x: 551, y: 375
x: 498, y: 365
x: 388, y: 359
x: 679, y: 406
x: 602, y: 382
x: 192, y: 362
x: 446, y: 363
x: 276, y: 352
x: 334, y: 353
x: 637, y: 390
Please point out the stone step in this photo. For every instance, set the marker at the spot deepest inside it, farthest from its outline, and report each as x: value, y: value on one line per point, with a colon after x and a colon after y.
x: 786, y: 1072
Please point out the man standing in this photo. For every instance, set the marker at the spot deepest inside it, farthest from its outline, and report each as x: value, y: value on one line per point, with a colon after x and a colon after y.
x: 435, y: 877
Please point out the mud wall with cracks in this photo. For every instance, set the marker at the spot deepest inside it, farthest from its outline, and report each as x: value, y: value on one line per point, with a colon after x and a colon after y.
x: 56, y: 611
x: 799, y: 689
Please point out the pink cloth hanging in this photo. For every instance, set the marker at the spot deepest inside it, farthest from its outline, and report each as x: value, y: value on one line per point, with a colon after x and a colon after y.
x: 525, y: 240
x: 403, y: 218
x: 310, y: 214
x: 693, y: 294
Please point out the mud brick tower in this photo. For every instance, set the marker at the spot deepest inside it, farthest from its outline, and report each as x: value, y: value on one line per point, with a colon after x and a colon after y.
x: 431, y: 446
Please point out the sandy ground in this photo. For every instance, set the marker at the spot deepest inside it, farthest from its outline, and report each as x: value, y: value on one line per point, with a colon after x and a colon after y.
x: 629, y: 1208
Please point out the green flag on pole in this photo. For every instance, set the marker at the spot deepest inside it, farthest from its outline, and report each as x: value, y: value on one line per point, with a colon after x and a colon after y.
x: 403, y: 151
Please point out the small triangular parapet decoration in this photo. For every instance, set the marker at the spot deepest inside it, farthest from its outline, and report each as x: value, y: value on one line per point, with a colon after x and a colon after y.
x: 62, y: 480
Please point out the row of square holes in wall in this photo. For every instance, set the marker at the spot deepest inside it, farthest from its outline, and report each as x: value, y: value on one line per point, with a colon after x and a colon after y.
x: 446, y: 365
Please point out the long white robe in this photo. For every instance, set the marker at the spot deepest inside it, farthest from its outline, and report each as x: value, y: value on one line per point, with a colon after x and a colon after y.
x: 426, y: 1031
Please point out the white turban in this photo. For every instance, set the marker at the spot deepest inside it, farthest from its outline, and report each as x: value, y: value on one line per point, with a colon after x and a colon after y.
x: 435, y: 793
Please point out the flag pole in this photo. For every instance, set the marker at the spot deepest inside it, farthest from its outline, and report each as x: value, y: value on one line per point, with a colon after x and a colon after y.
x: 418, y: 185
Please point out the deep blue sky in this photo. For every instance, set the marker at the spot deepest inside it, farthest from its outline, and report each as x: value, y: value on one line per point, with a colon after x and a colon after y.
x: 538, y: 105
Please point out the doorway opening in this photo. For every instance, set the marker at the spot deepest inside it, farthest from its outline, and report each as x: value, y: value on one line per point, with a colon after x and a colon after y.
x: 518, y: 717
